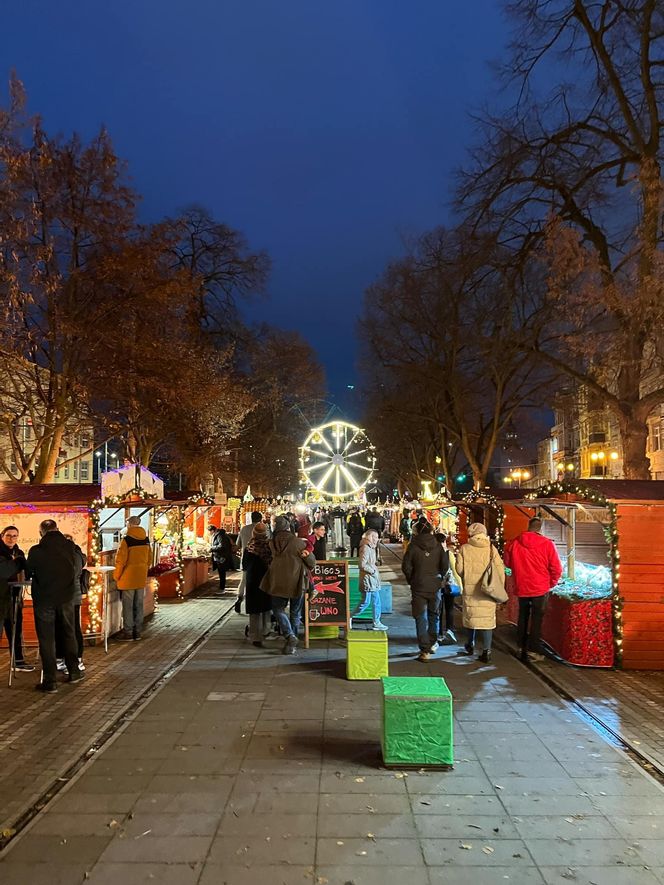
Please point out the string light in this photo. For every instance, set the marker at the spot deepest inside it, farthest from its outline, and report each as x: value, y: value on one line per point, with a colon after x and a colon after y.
x: 481, y: 497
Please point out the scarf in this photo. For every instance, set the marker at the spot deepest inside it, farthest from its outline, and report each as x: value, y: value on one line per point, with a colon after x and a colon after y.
x: 260, y: 547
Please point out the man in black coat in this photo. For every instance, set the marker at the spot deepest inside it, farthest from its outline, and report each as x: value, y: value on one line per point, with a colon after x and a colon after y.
x: 55, y: 566
x: 425, y: 565
x: 12, y: 563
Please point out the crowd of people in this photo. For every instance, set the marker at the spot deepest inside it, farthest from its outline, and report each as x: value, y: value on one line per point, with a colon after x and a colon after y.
x: 476, y: 573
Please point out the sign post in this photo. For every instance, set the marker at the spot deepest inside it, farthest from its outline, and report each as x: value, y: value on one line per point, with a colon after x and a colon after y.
x: 328, y: 604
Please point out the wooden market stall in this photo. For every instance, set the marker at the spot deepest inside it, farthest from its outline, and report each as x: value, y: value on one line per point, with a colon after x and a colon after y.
x: 609, y: 607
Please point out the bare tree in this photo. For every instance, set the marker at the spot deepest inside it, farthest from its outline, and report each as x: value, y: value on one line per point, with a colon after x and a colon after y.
x: 442, y: 323
x: 580, y: 166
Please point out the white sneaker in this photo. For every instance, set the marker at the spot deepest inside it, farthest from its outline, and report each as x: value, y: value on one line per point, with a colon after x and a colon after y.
x: 536, y: 656
x: 434, y: 648
x: 451, y: 635
x: 380, y: 627
x: 60, y: 664
x: 81, y: 665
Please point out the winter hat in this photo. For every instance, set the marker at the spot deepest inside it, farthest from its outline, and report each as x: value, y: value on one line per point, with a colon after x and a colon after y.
x: 260, y: 530
x: 281, y: 524
x: 476, y: 528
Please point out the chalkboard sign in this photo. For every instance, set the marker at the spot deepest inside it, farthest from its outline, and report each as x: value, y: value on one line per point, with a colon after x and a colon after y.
x: 327, y: 604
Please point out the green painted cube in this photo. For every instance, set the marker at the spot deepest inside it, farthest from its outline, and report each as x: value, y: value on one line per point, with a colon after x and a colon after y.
x: 417, y: 721
x: 366, y: 654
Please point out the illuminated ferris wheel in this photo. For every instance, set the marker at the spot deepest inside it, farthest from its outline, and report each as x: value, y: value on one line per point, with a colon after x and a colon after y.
x: 337, y: 459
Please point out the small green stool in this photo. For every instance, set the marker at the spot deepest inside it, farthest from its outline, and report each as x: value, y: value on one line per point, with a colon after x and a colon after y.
x: 417, y: 722
x: 366, y: 654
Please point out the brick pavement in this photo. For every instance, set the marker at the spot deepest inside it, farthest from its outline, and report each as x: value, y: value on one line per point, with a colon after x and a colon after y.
x: 248, y: 767
x: 42, y: 736
x: 629, y: 703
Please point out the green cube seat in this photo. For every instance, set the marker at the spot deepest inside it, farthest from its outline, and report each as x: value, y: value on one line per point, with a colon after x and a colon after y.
x: 417, y: 722
x: 366, y: 654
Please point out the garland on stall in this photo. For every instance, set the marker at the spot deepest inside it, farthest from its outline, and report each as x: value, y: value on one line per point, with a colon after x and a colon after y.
x: 483, y: 497
x: 611, y: 534
x: 96, y: 579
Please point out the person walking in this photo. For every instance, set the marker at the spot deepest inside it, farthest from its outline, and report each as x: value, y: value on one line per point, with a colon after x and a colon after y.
x: 287, y: 579
x: 83, y: 586
x: 425, y: 565
x: 12, y: 563
x: 479, y: 610
x: 222, y: 554
x: 369, y: 580
x: 536, y: 569
x: 376, y: 521
x: 317, y: 540
x: 255, y: 563
x: 450, y: 589
x: 405, y: 530
x: 244, y: 536
x: 55, y: 566
x: 355, y: 531
x: 132, y: 562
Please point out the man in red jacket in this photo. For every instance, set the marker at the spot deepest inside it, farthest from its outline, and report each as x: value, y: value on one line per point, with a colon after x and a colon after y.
x: 536, y: 569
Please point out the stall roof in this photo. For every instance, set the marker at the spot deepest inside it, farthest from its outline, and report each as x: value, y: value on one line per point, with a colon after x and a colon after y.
x: 621, y: 489
x: 78, y: 494
x: 48, y: 493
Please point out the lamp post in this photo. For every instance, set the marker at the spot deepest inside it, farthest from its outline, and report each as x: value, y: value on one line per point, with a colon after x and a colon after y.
x: 98, y: 457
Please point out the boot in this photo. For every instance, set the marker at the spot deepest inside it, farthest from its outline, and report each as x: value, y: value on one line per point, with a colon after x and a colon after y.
x: 469, y: 648
x: 485, y: 657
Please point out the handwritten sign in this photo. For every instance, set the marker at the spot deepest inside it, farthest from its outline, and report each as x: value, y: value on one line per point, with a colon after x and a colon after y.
x: 328, y: 603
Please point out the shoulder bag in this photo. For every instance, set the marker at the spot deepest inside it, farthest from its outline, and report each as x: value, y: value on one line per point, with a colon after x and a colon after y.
x: 490, y: 584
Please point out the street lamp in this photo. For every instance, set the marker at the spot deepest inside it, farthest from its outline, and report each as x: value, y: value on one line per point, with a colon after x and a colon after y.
x: 98, y: 457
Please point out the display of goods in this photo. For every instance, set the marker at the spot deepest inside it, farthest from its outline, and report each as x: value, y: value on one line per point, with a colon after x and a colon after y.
x: 580, y: 632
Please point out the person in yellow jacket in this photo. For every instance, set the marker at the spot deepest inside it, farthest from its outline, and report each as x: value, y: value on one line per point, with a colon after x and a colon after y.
x: 132, y: 562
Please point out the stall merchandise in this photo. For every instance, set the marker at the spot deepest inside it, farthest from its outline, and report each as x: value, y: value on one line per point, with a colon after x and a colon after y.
x: 610, y: 606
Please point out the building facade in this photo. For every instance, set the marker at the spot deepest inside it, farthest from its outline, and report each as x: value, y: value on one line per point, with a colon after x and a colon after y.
x: 585, y: 442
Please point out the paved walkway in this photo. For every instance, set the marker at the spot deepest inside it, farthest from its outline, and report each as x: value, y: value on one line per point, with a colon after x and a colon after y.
x: 41, y: 737
x: 249, y: 767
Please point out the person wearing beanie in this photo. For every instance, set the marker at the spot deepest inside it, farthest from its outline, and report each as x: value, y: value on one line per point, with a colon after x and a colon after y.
x: 425, y: 566
x: 479, y: 610
x: 255, y: 563
x: 370, y: 580
x: 287, y: 579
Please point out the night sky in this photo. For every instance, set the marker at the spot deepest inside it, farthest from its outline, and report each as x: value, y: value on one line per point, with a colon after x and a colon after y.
x: 326, y: 131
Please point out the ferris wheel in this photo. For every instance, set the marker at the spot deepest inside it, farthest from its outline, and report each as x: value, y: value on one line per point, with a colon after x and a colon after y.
x: 337, y: 459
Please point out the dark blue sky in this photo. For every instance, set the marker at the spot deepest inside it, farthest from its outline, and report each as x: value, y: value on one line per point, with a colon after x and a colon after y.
x: 326, y: 131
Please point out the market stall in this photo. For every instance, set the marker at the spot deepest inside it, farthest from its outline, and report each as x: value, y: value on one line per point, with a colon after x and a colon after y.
x: 608, y: 608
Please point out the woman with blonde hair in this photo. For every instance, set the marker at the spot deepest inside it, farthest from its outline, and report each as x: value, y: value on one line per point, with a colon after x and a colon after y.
x: 479, y: 610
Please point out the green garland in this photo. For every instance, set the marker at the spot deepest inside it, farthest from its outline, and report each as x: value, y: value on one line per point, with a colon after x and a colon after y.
x: 612, y: 536
x: 486, y: 498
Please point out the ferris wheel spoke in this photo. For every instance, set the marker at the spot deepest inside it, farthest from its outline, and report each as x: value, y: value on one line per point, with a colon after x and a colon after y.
x: 325, y: 478
x: 349, y: 477
x: 360, y: 466
x: 352, y: 440
x: 320, y: 464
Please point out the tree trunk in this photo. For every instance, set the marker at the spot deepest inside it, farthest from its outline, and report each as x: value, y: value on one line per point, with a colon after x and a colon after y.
x: 48, y: 456
x: 634, y: 438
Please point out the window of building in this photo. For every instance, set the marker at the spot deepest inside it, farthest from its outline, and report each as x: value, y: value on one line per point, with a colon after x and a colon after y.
x: 554, y: 444
x: 65, y: 471
x: 85, y: 470
x: 85, y: 441
x: 75, y: 470
x: 656, y: 438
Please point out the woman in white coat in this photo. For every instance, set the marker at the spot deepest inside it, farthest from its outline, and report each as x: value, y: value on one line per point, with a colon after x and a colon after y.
x: 479, y: 610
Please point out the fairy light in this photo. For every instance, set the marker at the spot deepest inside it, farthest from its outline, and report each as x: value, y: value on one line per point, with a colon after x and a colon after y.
x: 480, y: 497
